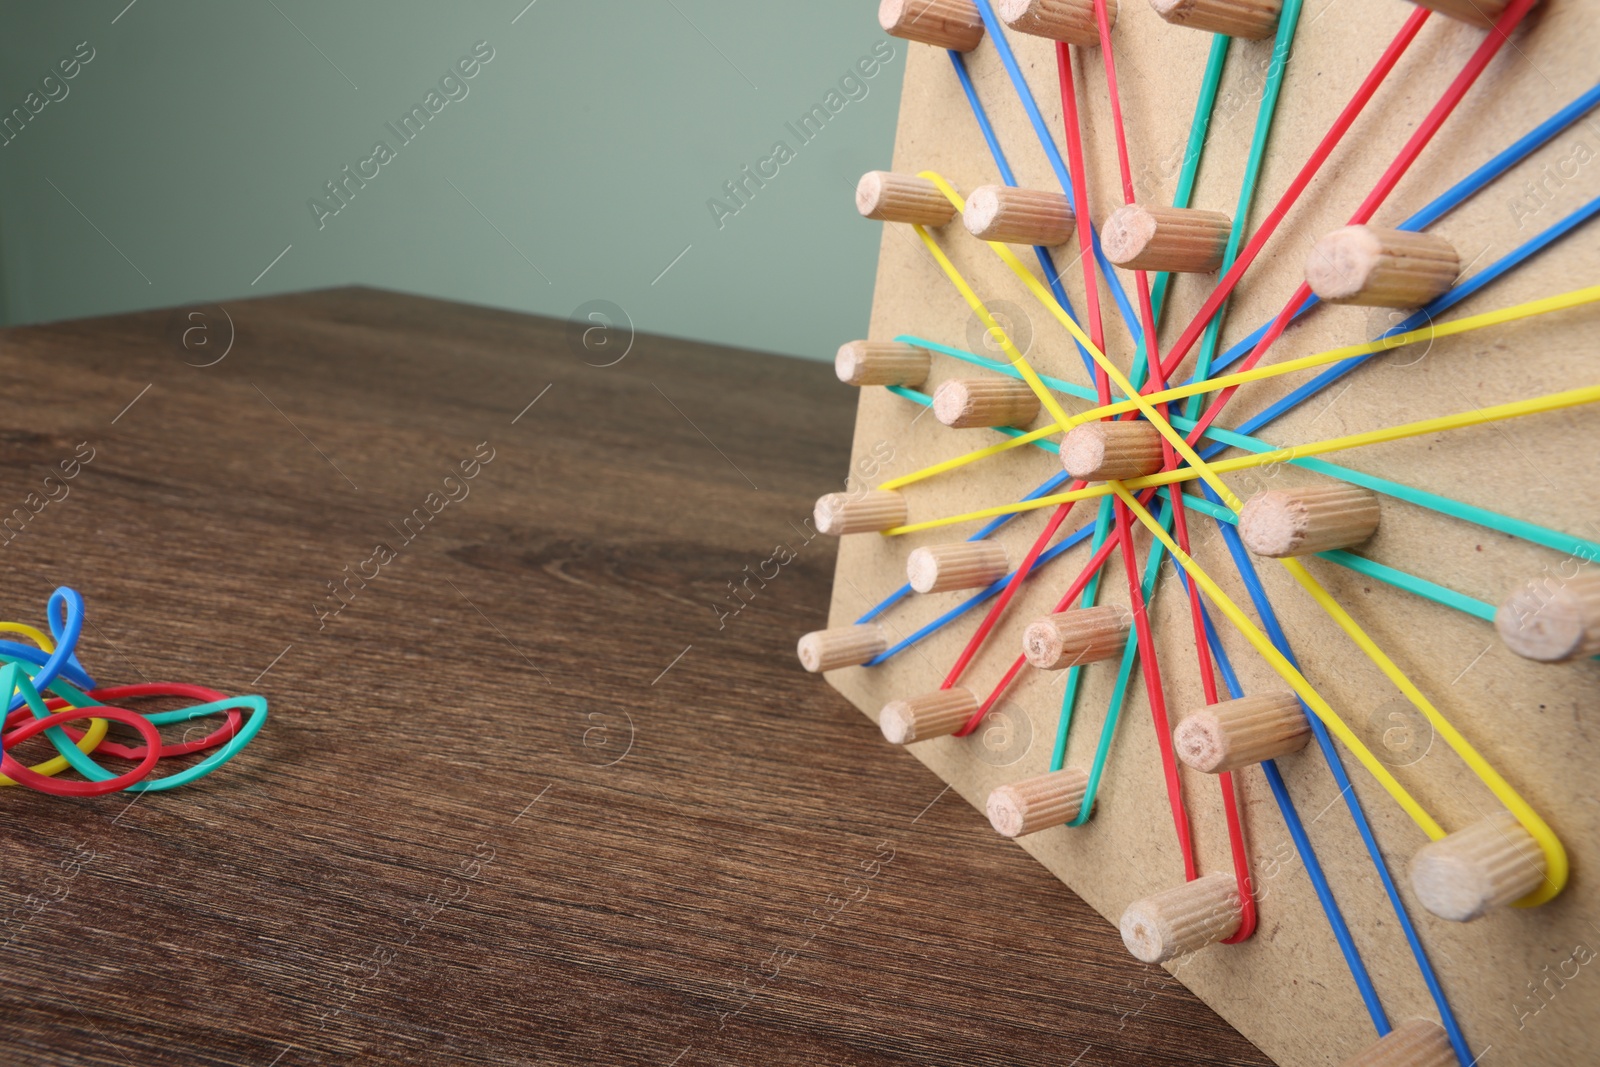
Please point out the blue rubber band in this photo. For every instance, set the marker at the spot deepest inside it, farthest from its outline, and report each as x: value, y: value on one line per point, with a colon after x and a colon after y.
x: 996, y: 33
x: 1046, y: 262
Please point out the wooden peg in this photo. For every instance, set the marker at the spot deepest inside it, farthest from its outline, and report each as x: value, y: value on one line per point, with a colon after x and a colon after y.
x: 1374, y: 267
x: 1551, y: 621
x: 1072, y: 21
x: 1414, y: 1043
x: 1478, y: 12
x: 881, y: 363
x: 1078, y: 636
x: 1182, y: 920
x: 1302, y: 522
x: 1463, y: 875
x: 890, y: 197
x: 936, y: 714
x: 874, y: 511
x: 1250, y: 19
x: 1100, y: 451
x: 842, y: 646
x: 1184, y: 239
x: 952, y: 24
x: 957, y: 565
x: 1018, y: 216
x: 972, y: 403
x: 1237, y: 733
x: 1037, y: 803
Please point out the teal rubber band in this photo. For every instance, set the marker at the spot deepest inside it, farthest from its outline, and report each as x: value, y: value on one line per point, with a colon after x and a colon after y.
x: 1130, y: 653
x: 1091, y: 593
x: 1199, y: 132
x: 1287, y: 21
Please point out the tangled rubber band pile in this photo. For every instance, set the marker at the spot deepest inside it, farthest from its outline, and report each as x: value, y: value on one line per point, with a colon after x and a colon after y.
x: 50, y: 665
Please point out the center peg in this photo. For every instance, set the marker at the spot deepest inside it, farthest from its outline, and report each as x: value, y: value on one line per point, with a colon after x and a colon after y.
x: 1182, y: 239
x: 1302, y: 522
x: 1037, y: 803
x: 889, y: 197
x: 1014, y: 216
x: 1374, y: 267
x: 1072, y: 21
x: 1553, y: 620
x: 927, y: 715
x: 957, y: 565
x: 1489, y: 864
x: 1075, y: 637
x: 1182, y: 920
x: 842, y: 646
x: 953, y: 24
x: 1101, y: 451
x: 976, y: 403
x: 1250, y: 19
x: 881, y: 363
x: 1414, y: 1043
x: 1233, y: 734
x: 837, y: 514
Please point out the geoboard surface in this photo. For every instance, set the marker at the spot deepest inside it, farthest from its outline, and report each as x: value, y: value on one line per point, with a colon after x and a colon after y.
x: 1288, y: 988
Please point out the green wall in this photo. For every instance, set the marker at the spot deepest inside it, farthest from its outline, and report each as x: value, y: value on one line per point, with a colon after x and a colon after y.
x: 574, y: 165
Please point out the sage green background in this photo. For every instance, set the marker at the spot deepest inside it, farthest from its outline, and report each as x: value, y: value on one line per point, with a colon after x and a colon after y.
x: 182, y: 159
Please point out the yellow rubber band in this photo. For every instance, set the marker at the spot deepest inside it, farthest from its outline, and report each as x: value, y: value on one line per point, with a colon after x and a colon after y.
x: 1476, y: 417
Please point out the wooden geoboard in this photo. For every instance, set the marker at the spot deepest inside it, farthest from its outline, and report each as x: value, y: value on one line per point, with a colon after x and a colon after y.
x: 1287, y: 988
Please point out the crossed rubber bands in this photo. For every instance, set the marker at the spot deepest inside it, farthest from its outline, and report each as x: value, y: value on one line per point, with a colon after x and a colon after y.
x: 76, y: 718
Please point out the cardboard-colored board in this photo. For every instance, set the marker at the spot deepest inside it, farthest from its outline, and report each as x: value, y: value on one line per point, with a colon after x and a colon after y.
x: 1524, y: 982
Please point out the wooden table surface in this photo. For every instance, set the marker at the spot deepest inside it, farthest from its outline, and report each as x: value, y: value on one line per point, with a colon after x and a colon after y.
x: 524, y: 799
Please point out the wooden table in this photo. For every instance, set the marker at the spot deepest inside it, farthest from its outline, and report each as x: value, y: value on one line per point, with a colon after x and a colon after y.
x: 528, y: 796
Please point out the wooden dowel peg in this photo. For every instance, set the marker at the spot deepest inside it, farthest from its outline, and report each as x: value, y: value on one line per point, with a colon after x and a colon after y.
x: 1553, y: 619
x: 1072, y: 21
x: 1465, y: 874
x: 881, y: 363
x: 974, y: 403
x: 842, y: 646
x: 1237, y: 733
x: 958, y: 565
x: 926, y: 715
x: 1015, y: 216
x: 1374, y: 267
x: 1414, y: 1043
x: 1185, y: 239
x: 1478, y: 12
x: 1100, y: 451
x: 1037, y: 803
x: 874, y: 511
x: 943, y: 23
x: 890, y: 197
x: 1182, y: 920
x: 1250, y: 19
x: 1302, y: 522
x: 1077, y: 636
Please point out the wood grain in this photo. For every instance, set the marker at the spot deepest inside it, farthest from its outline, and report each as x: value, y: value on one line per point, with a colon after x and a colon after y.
x: 331, y: 895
